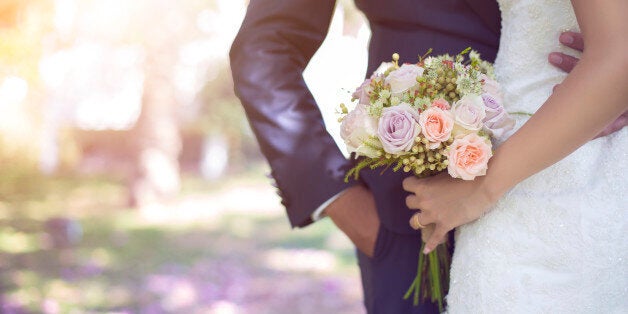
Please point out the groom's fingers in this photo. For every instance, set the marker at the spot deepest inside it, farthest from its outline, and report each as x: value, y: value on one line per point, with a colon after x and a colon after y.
x: 572, y: 40
x: 563, y: 61
x: 616, y: 125
x: 566, y: 62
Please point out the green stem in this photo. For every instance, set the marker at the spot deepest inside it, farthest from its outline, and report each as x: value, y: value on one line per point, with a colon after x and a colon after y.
x: 437, y: 293
x: 521, y: 113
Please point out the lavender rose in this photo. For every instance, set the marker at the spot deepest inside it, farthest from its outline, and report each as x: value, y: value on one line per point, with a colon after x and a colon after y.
x: 469, y: 112
x: 404, y: 78
x: 398, y: 127
x: 362, y: 92
x: 490, y: 86
x: 357, y: 127
x: 497, y: 121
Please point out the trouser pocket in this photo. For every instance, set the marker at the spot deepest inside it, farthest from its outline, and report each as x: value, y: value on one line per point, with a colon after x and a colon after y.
x: 382, y: 243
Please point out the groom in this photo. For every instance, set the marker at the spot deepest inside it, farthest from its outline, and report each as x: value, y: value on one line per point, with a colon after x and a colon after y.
x: 275, y: 43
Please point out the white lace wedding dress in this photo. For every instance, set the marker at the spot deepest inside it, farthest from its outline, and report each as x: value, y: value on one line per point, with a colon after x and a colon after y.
x: 557, y: 242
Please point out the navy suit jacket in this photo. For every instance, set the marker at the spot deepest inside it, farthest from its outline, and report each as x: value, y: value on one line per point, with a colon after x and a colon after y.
x: 274, y: 45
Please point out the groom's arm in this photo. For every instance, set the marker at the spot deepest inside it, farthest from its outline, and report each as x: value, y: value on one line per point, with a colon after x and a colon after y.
x: 274, y: 45
x: 566, y: 63
x: 268, y: 56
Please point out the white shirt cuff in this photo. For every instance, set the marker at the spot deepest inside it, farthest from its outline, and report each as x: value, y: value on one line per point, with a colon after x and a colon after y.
x: 318, y: 213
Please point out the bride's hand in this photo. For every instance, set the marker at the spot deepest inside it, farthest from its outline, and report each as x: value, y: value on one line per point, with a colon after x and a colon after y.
x: 447, y: 203
x: 566, y: 63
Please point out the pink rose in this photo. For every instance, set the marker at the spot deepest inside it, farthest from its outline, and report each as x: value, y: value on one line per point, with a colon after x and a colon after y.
x: 468, y: 156
x: 436, y: 124
x: 497, y: 121
x: 441, y: 103
x: 362, y: 93
x: 469, y: 112
x: 404, y: 78
x: 357, y: 127
x: 398, y: 127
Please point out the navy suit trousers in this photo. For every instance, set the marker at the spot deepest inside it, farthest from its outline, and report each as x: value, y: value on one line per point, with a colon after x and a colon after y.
x: 389, y: 273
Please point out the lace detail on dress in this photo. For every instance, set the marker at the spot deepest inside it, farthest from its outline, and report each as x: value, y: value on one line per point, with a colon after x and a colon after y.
x: 558, y: 241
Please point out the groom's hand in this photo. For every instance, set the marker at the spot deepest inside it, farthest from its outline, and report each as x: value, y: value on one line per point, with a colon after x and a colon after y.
x: 563, y: 61
x: 355, y: 213
x: 567, y: 63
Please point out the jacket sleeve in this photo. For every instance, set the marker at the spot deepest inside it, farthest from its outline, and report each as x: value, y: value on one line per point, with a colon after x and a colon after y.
x: 274, y: 45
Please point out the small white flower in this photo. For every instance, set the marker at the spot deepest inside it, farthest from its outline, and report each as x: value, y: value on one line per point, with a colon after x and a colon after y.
x: 394, y: 100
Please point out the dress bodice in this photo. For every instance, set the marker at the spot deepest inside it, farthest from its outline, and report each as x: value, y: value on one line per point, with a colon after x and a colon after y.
x: 530, y: 30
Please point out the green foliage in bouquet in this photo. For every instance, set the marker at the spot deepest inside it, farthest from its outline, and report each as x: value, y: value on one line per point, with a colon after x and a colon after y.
x: 444, y: 77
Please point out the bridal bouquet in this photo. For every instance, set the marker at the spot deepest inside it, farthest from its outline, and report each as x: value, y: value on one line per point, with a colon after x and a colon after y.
x: 438, y: 114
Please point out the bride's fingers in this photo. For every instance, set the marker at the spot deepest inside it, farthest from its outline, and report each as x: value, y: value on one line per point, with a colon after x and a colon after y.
x: 427, y: 232
x: 420, y: 221
x: 572, y: 40
x: 435, y: 239
x: 410, y: 184
x: 412, y: 201
x: 563, y: 61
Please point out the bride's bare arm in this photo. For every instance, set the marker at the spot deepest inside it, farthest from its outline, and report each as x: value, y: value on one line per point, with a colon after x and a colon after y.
x: 593, y: 95
x: 566, y: 62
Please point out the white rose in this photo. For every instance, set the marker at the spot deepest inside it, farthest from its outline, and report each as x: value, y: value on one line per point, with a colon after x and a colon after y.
x: 469, y: 112
x: 357, y: 127
x: 404, y: 78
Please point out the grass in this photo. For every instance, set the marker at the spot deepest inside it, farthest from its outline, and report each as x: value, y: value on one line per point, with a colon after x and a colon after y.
x: 221, y: 248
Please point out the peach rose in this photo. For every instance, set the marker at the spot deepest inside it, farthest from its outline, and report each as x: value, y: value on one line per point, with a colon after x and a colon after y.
x: 441, y: 103
x: 436, y: 124
x: 468, y: 156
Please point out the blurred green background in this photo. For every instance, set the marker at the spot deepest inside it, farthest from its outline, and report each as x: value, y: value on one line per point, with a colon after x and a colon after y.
x: 130, y: 181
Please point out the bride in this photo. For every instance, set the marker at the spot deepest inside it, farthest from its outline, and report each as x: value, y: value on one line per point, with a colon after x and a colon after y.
x: 546, y: 230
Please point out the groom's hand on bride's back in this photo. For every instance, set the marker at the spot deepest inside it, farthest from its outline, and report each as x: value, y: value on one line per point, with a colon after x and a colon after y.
x: 355, y: 214
x: 566, y: 63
